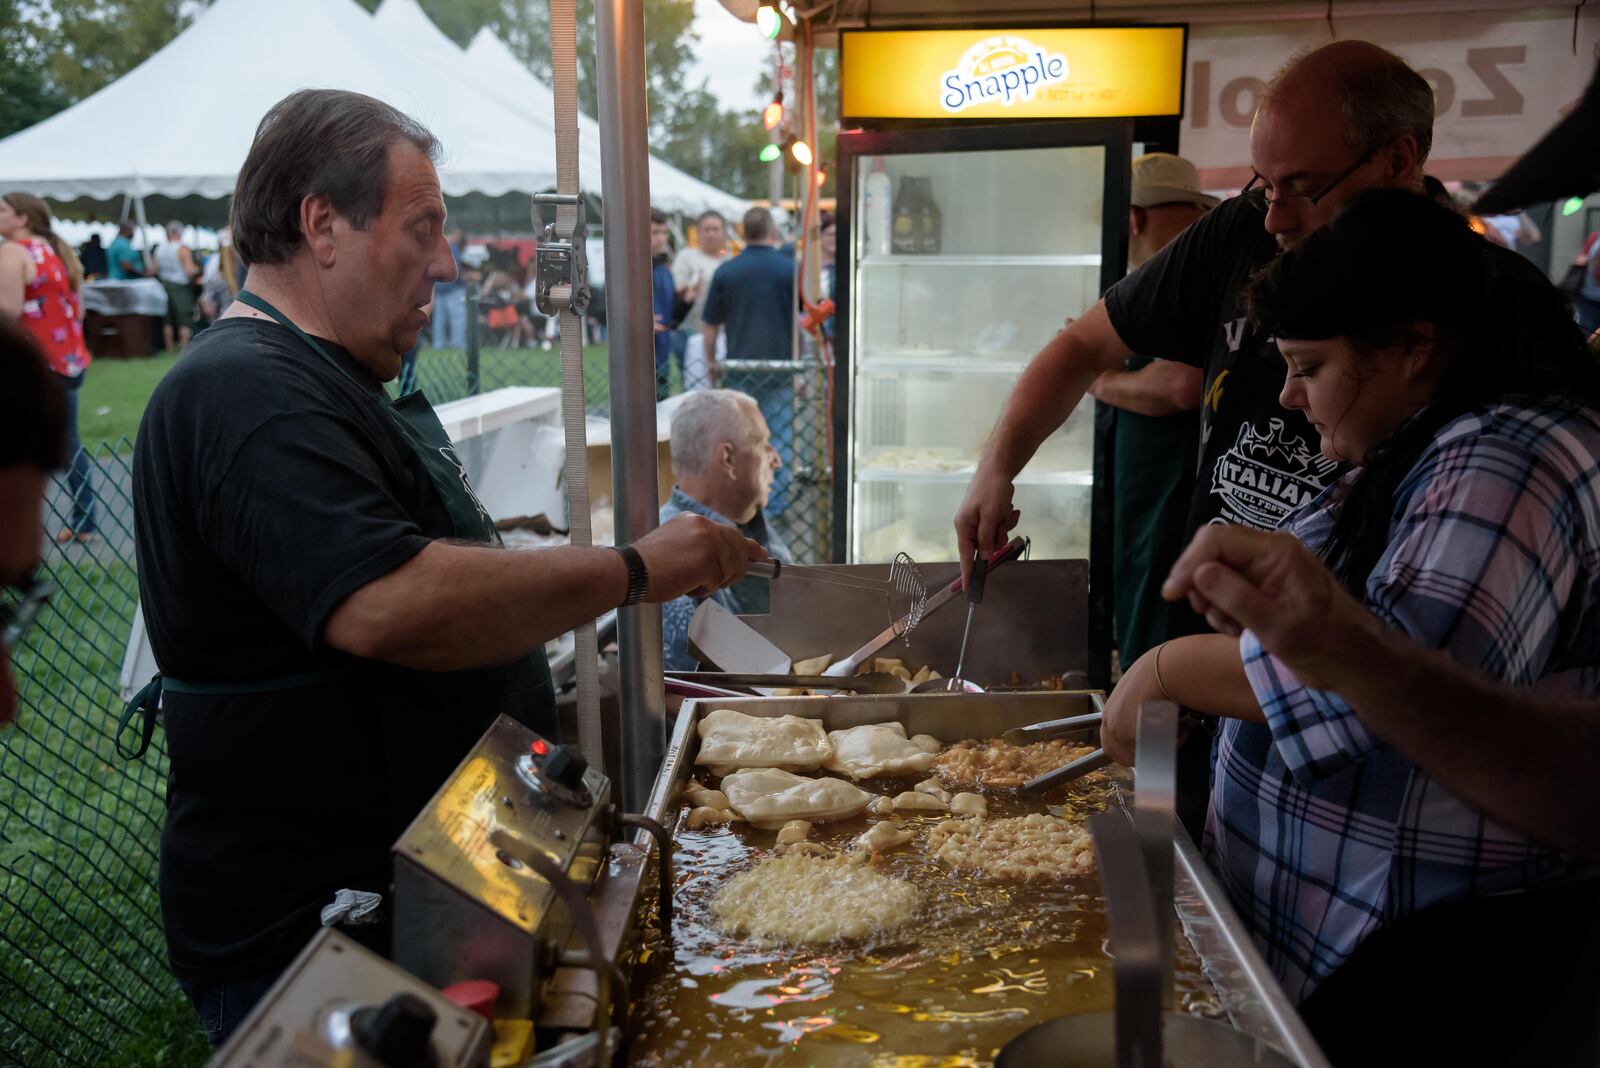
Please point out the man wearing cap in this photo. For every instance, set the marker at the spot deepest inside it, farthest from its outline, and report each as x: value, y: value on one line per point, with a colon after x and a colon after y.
x: 1155, y: 410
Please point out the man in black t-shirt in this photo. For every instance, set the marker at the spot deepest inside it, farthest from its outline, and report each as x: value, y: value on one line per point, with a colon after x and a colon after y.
x: 1349, y: 116
x: 331, y: 638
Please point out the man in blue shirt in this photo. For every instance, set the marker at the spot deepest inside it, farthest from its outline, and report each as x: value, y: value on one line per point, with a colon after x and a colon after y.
x: 752, y: 297
x: 122, y: 259
x: 723, y: 463
x: 663, y: 296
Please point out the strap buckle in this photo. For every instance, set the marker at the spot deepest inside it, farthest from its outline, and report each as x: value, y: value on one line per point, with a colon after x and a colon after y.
x: 561, y: 262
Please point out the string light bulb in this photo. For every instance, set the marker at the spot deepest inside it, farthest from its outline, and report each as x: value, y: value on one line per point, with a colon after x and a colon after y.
x: 769, y: 153
x: 772, y: 114
x: 801, y: 152
x: 1572, y: 206
x: 822, y: 176
x: 769, y: 22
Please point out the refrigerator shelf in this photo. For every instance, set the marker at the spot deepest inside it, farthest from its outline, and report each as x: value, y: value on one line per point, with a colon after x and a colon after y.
x: 1046, y: 478
x: 941, y: 365
x: 1088, y: 259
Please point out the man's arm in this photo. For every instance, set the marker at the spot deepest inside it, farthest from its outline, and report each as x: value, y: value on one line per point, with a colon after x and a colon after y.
x: 186, y: 261
x: 1045, y: 394
x: 1527, y: 760
x: 1161, y: 387
x: 455, y: 606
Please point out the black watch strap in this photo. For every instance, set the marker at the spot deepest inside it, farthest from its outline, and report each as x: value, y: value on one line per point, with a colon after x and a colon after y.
x: 638, y: 576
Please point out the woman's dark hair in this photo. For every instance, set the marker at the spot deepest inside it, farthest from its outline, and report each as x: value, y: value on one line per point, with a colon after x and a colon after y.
x: 34, y: 433
x: 1389, y: 261
x: 316, y: 141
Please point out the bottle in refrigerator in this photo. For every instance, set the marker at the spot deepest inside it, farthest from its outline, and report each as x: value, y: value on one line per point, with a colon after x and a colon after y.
x: 907, y: 224
x: 929, y: 221
x: 877, y: 210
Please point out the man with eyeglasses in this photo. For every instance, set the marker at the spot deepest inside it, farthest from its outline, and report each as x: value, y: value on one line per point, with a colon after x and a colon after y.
x: 32, y: 444
x: 1348, y: 117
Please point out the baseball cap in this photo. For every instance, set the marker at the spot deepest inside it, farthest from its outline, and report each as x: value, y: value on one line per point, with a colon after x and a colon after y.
x: 1565, y: 162
x: 1162, y: 178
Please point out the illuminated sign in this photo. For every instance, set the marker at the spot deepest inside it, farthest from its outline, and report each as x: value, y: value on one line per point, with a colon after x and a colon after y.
x: 1012, y: 74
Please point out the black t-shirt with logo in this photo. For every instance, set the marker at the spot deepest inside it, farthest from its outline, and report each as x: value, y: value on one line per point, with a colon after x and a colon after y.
x: 267, y: 488
x: 1258, y: 460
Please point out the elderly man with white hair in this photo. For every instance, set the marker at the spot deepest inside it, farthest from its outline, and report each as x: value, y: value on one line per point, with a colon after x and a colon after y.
x: 724, y: 463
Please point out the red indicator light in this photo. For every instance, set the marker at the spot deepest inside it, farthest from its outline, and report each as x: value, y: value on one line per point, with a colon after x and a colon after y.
x: 540, y: 747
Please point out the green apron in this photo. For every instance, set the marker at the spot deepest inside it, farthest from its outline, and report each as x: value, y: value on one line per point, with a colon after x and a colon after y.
x: 414, y: 417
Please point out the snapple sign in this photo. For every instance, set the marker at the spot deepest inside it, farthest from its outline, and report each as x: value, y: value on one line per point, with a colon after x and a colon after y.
x: 1000, y: 70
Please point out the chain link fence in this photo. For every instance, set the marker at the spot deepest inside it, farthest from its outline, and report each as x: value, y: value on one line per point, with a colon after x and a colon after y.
x: 83, y: 969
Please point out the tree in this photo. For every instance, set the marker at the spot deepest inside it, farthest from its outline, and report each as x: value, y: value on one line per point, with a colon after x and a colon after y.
x: 88, y: 44
x: 27, y: 96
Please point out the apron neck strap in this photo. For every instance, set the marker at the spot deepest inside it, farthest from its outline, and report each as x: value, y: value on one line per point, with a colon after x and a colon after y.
x: 260, y: 304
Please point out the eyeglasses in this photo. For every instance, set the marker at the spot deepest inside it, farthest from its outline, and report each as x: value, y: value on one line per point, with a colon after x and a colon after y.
x: 16, y: 618
x: 1256, y: 190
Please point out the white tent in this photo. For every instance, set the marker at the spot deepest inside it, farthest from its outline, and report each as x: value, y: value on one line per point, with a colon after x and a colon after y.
x: 181, y: 123
x: 491, y: 67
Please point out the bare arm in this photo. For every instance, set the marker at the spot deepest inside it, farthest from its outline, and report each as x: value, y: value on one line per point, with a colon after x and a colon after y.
x: 1161, y: 387
x: 1202, y: 672
x: 709, y: 333
x: 1525, y: 759
x: 455, y: 606
x: 1045, y: 394
x: 14, y: 270
x: 186, y: 261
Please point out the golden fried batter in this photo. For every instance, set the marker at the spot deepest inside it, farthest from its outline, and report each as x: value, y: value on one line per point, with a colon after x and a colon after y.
x: 1033, y: 848
x: 997, y: 765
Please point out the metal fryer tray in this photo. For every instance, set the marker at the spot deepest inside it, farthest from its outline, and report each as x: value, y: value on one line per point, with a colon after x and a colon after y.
x: 1247, y: 990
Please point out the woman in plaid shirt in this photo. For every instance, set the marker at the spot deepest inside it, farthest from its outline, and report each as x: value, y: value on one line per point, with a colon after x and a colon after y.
x: 1456, y: 384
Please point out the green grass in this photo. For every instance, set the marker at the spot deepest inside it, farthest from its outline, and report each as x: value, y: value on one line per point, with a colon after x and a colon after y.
x: 115, y: 392
x: 83, y: 977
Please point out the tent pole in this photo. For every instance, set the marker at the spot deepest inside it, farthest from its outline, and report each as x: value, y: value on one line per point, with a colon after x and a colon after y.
x: 625, y: 188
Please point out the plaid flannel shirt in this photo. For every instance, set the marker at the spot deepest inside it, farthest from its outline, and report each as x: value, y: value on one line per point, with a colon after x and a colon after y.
x: 1321, y: 832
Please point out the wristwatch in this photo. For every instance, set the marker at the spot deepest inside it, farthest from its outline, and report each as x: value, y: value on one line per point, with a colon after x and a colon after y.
x: 638, y: 576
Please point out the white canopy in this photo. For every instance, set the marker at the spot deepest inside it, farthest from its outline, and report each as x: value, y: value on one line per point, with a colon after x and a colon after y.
x: 165, y: 128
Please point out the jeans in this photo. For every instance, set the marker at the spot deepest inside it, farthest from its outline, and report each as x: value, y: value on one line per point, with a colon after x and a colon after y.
x: 223, y: 1006
x: 79, y: 486
x: 450, y: 317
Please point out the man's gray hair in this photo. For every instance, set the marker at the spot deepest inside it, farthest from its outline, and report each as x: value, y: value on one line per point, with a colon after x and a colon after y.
x: 175, y: 228
x: 1378, y: 101
x: 705, y: 419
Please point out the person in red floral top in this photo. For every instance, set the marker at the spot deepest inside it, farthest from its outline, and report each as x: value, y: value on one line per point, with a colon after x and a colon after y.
x: 40, y: 277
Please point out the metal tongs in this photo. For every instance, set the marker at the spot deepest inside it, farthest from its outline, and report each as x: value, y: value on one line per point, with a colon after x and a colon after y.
x: 871, y: 682
x: 852, y: 663
x: 905, y: 586
x: 1084, y: 765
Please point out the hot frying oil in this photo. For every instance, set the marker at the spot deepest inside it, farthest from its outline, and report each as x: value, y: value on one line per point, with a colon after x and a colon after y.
x: 980, y: 963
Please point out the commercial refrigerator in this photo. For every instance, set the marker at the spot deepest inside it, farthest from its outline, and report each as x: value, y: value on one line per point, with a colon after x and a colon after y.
x: 968, y: 236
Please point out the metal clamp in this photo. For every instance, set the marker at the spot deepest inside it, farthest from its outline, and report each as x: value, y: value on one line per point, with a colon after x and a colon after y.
x: 561, y: 262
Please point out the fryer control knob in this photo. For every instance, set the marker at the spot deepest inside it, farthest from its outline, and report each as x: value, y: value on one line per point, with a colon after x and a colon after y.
x: 566, y: 766
x: 398, y: 1033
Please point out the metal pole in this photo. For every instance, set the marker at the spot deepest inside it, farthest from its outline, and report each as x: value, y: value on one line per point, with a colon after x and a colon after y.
x: 625, y: 189
x: 473, y: 358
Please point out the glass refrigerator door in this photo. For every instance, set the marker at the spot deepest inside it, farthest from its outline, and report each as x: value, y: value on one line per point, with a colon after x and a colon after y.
x: 948, y: 304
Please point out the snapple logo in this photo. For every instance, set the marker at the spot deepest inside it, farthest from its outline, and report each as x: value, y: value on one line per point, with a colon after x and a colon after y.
x: 1003, y: 70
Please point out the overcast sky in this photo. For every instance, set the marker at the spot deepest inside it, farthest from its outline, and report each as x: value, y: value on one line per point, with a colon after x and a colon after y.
x: 731, y: 55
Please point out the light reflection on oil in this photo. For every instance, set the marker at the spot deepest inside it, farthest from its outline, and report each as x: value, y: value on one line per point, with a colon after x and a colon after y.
x: 981, y: 963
